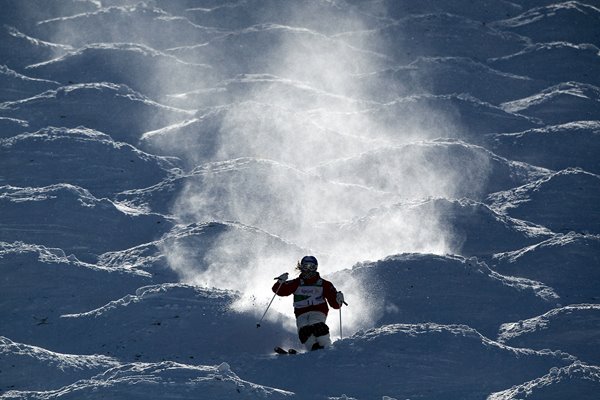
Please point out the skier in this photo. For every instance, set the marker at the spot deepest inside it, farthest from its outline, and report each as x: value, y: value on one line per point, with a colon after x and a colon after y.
x: 311, y: 295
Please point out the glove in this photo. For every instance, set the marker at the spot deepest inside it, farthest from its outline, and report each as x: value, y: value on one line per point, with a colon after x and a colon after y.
x: 339, y: 297
x: 282, y: 278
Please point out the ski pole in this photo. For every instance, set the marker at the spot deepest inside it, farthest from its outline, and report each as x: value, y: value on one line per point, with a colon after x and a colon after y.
x: 272, y: 298
x: 341, y: 335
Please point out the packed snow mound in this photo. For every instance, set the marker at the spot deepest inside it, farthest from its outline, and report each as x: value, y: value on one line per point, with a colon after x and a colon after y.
x: 14, y: 86
x: 464, y: 227
x: 113, y: 62
x: 188, y: 251
x: 80, y: 157
x: 398, y: 9
x: 80, y: 223
x: 237, y: 179
x: 452, y: 169
x: 448, y: 75
x: 581, y: 138
x: 416, y: 288
x: 400, y: 360
x: 243, y: 185
x: 107, y: 25
x: 573, y: 329
x: 8, y: 126
x: 26, y: 14
x: 567, y: 263
x: 203, y: 319
x: 31, y: 50
x: 106, y: 107
x: 426, y: 116
x: 144, y: 380
x: 265, y: 89
x: 253, y: 50
x: 562, y: 61
x: 570, y: 21
x: 577, y: 380
x: 313, y: 15
x: 31, y: 272
x: 157, y: 198
x: 436, y: 34
x: 57, y: 369
x: 252, y: 129
x: 564, y: 201
x: 566, y: 102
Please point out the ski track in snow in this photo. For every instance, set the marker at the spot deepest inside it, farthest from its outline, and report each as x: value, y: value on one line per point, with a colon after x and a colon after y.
x: 161, y: 161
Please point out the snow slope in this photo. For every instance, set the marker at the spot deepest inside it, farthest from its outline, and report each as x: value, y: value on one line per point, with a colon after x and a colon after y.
x: 161, y: 161
x: 546, y: 201
x: 579, y: 137
x: 568, y: 263
x: 80, y: 156
x: 573, y: 328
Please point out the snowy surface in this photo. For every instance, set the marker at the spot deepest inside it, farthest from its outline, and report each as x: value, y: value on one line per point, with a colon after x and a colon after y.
x: 161, y: 161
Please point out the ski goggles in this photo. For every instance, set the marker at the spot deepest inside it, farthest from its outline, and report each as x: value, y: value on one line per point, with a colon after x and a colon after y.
x: 308, y: 266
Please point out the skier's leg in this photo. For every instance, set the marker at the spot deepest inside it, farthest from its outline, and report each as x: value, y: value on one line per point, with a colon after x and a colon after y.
x: 324, y: 340
x: 312, y: 330
x: 306, y: 328
x: 321, y: 331
x: 305, y: 332
x: 312, y: 341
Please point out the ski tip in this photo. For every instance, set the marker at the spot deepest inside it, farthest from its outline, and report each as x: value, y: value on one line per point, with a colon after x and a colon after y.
x: 279, y: 350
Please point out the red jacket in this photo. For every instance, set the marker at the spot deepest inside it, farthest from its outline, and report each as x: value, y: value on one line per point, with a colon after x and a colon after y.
x: 290, y: 287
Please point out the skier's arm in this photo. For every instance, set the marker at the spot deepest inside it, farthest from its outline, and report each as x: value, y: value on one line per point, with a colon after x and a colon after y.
x: 286, y: 288
x: 330, y: 293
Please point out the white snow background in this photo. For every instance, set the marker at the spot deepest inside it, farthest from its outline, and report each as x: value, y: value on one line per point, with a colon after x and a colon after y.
x: 162, y: 161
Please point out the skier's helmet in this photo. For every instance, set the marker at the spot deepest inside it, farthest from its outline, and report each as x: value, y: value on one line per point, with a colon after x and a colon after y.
x: 309, y: 263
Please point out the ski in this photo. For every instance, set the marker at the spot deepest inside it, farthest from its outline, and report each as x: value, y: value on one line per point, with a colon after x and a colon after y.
x: 279, y: 350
